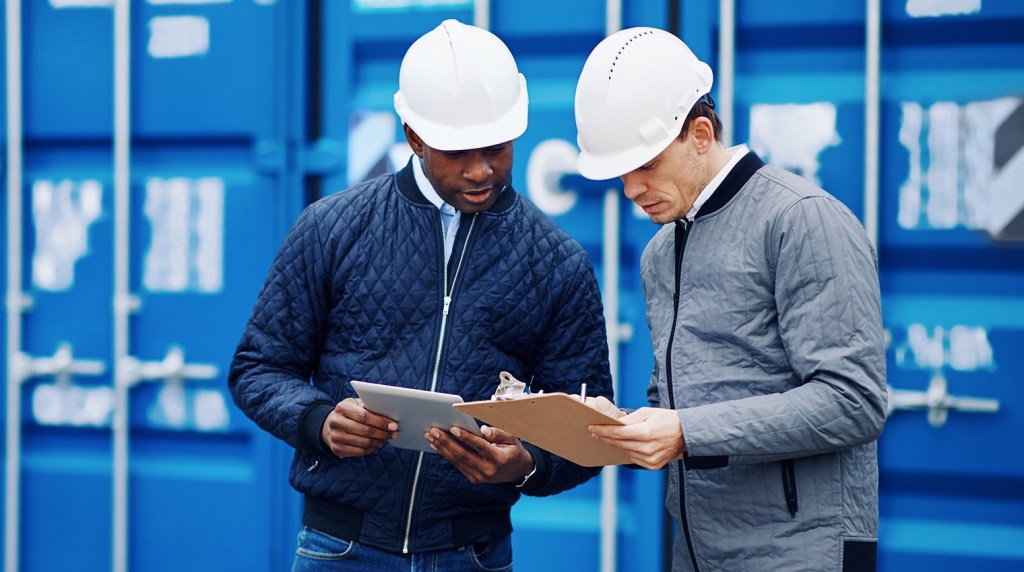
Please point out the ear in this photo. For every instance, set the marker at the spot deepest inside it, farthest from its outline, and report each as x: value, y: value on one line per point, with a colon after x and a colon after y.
x: 414, y: 140
x: 703, y: 133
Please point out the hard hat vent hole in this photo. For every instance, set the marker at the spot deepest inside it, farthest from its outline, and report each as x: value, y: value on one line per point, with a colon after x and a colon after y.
x: 623, y: 48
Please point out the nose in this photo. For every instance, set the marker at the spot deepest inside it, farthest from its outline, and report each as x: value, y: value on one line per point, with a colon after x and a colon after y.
x: 477, y: 168
x: 632, y: 186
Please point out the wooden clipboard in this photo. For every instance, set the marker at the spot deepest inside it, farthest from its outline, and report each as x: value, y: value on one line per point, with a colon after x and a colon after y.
x: 554, y: 422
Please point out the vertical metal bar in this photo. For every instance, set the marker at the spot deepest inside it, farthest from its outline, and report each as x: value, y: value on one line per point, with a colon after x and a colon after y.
x: 726, y: 67
x: 13, y: 298
x: 122, y: 298
x: 482, y: 14
x: 305, y: 95
x: 872, y: 115
x: 610, y: 261
x: 612, y: 17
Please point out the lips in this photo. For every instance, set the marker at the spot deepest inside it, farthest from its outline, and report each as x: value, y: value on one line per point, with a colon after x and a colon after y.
x: 478, y: 195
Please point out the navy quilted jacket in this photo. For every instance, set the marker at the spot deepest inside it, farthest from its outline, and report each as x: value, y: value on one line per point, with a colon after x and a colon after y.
x: 357, y: 292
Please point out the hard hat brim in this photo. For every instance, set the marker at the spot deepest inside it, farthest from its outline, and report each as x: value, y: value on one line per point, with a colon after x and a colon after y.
x: 507, y: 127
x: 604, y: 166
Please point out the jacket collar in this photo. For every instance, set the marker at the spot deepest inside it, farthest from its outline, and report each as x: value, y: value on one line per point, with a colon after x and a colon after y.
x: 732, y: 183
x: 407, y: 186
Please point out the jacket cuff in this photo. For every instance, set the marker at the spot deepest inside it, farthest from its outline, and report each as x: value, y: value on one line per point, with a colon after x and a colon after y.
x: 310, y: 424
x: 542, y: 462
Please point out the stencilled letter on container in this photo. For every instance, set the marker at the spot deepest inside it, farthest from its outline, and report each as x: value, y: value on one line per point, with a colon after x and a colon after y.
x: 186, y: 253
x: 62, y: 213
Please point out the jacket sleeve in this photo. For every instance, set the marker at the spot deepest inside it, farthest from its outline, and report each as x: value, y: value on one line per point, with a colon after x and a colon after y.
x: 269, y: 377
x: 829, y: 319
x: 573, y: 350
x: 653, y: 398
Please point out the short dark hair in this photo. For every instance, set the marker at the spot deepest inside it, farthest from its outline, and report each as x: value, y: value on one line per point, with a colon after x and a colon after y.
x: 703, y: 109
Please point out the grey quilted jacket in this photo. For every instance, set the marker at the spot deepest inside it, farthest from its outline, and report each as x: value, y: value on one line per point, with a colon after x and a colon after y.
x: 774, y: 358
x: 358, y: 292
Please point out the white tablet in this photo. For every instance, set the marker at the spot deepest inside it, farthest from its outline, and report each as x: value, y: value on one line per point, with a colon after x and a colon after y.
x: 416, y: 412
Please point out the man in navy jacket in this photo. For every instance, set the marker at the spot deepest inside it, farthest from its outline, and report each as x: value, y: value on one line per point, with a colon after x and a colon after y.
x: 438, y: 277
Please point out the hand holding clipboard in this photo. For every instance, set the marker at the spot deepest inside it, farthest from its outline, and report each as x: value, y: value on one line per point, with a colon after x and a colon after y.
x: 555, y: 422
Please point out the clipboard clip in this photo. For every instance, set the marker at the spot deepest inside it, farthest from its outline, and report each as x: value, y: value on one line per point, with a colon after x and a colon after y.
x: 509, y: 388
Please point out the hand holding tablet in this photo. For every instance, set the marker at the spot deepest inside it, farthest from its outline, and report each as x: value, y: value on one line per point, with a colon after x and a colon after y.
x: 416, y: 411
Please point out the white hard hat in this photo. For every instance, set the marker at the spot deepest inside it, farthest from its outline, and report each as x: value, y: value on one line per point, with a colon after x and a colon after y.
x: 633, y: 95
x: 459, y: 88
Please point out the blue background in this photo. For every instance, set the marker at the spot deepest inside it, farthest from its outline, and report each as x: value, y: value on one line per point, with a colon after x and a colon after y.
x: 269, y: 109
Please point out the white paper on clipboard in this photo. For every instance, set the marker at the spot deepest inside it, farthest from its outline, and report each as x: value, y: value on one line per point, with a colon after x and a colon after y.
x: 416, y: 411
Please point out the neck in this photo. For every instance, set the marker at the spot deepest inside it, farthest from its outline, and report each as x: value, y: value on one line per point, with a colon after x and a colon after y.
x: 718, y: 157
x: 712, y: 162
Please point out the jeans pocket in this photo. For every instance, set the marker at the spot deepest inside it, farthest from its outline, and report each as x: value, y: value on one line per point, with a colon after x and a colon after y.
x: 319, y: 546
x: 491, y: 555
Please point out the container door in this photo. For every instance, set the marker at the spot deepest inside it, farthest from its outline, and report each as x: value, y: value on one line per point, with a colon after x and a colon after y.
x: 212, y: 191
x: 953, y: 286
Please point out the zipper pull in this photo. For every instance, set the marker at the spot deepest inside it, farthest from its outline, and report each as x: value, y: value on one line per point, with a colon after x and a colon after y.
x: 315, y: 464
x: 447, y: 302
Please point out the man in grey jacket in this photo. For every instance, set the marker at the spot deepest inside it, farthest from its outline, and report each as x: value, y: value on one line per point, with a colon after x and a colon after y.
x: 768, y: 391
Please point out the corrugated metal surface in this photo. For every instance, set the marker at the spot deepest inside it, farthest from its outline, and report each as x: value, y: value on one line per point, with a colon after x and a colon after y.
x: 209, y: 202
x: 243, y: 110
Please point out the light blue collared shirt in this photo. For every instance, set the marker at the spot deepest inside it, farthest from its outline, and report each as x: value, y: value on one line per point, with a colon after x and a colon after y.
x: 449, y: 216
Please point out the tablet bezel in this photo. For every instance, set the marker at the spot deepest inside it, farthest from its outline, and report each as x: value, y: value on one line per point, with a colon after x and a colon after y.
x: 416, y: 411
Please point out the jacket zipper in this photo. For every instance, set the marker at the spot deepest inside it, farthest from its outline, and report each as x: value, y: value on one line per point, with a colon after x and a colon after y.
x: 682, y: 232
x: 789, y: 485
x: 447, y: 301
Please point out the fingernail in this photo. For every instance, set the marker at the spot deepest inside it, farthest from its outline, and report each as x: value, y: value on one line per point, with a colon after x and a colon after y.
x: 456, y: 432
x: 429, y: 437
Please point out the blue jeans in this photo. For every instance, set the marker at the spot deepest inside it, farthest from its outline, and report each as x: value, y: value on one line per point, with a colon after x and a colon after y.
x: 319, y: 552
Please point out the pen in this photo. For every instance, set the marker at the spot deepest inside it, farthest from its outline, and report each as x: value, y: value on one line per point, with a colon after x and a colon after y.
x: 583, y: 393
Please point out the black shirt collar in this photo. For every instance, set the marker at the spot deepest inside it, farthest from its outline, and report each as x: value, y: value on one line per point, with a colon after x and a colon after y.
x: 732, y: 183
